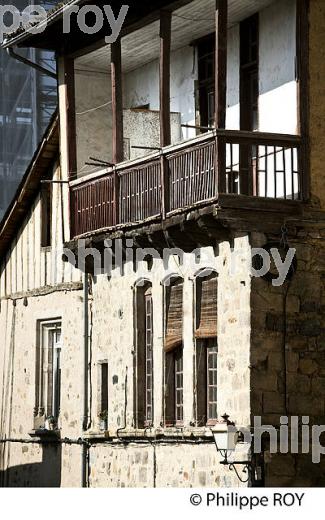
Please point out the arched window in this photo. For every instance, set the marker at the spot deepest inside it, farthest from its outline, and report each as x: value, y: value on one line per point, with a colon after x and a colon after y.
x: 144, y: 356
x: 173, y: 348
x: 206, y: 345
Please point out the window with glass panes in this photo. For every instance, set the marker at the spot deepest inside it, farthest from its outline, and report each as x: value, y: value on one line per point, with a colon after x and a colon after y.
x: 178, y: 361
x: 48, y: 372
x: 149, y: 357
x: 143, y: 375
x: 173, y: 347
x: 206, y: 386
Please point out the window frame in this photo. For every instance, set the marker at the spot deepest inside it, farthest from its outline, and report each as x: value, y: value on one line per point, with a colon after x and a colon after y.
x: 144, y: 355
x: 203, y: 343
x: 173, y: 393
x: 48, y: 386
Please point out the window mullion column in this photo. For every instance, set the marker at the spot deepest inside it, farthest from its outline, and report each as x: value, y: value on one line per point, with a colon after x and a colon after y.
x: 188, y: 352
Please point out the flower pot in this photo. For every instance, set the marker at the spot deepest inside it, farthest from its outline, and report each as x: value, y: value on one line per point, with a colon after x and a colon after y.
x: 103, y: 424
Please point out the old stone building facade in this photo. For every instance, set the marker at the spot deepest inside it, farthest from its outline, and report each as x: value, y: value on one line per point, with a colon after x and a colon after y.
x: 115, y: 377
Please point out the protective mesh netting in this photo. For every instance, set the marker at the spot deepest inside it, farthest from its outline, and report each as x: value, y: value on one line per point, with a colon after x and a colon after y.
x: 28, y: 98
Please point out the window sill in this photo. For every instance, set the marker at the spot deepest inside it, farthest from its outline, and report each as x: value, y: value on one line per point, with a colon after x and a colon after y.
x: 152, y: 433
x: 42, y: 433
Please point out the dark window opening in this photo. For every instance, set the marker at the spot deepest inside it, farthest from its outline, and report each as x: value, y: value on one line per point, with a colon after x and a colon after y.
x: 46, y: 215
x: 206, y: 80
x: 103, y: 388
x: 249, y: 95
x: 249, y: 90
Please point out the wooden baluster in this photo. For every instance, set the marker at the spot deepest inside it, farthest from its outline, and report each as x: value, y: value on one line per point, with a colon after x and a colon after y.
x: 165, y: 202
x: 116, y: 198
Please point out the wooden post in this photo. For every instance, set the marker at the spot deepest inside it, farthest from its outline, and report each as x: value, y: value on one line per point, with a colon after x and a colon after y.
x: 68, y: 140
x: 302, y: 67
x: 164, y: 77
x: 117, y: 119
x: 117, y: 102
x: 69, y: 81
x: 221, y: 63
x: 221, y: 90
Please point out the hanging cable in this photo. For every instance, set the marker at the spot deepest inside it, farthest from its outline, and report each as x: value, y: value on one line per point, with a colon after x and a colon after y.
x: 93, y: 109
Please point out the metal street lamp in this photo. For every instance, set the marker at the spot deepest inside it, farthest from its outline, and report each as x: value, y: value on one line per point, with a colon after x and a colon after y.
x: 226, y: 436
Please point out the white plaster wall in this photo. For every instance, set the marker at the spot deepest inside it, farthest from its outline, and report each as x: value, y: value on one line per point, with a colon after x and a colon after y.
x: 141, y: 87
x: 142, y: 128
x: 182, y: 88
x: 233, y: 64
x: 27, y: 266
x: 93, y: 118
x: 278, y: 89
x: 277, y: 84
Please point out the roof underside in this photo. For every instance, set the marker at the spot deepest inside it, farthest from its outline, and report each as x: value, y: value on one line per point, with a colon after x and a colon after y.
x: 190, y: 22
x: 192, y: 19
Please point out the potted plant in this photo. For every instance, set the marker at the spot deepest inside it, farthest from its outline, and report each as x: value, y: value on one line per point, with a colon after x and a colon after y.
x: 50, y: 423
x: 103, y: 420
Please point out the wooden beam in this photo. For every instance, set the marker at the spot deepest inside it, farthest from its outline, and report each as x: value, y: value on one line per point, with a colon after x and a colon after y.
x: 221, y: 90
x: 164, y: 77
x: 221, y: 63
x: 117, y: 102
x: 302, y: 43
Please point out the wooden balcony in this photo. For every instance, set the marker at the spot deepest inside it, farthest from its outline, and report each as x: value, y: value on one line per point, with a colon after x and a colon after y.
x: 180, y: 177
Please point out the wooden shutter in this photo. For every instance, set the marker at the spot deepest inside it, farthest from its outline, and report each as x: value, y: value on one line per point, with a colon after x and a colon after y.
x: 174, y: 316
x: 207, y: 307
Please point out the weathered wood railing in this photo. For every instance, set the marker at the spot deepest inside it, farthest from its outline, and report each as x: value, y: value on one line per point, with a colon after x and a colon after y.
x: 249, y: 163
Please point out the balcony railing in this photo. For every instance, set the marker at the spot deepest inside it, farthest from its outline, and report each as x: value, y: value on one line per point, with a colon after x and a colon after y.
x: 196, y: 171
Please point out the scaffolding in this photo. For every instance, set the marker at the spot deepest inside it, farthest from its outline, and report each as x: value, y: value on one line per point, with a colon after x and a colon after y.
x: 28, y: 99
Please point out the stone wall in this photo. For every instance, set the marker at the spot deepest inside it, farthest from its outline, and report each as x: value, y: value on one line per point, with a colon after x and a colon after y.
x: 162, y: 465
x: 174, y: 461
x: 288, y: 326
x: 30, y: 464
x: 113, y: 334
x: 317, y: 94
x: 255, y: 343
